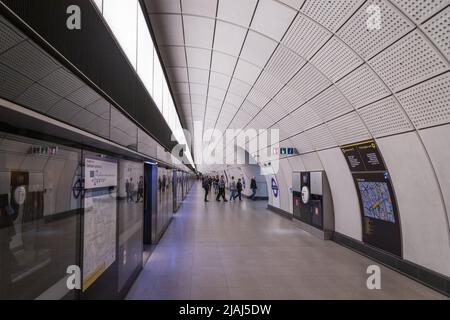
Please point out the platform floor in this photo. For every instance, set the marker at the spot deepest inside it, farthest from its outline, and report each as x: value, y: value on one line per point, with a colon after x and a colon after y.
x: 244, y: 251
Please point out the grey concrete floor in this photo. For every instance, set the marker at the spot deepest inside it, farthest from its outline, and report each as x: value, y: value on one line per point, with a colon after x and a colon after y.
x: 244, y: 251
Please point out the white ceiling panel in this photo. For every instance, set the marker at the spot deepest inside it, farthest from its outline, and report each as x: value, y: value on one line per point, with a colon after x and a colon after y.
x: 198, y: 32
x: 309, y: 82
x: 168, y: 29
x: 302, y: 143
x: 223, y: 63
x: 321, y: 137
x: 362, y: 87
x: 306, y: 117
x: 330, y: 104
x: 438, y: 29
x: 268, y: 84
x: 177, y: 74
x: 198, y: 58
x: 239, y: 87
x: 289, y: 100
x: 200, y: 76
x: 274, y: 110
x: 237, y: 11
x: 229, y: 38
x: 284, y: 64
x: 250, y: 108
x: 258, y: 48
x: 198, y: 89
x: 173, y: 56
x: 348, y: 129
x: 296, y: 4
x: 258, y: 98
x: 246, y: 72
x: 200, y: 7
x: 219, y: 80
x: 272, y: 18
x: 233, y: 99
x: 163, y: 6
x: 217, y: 93
x: 385, y: 117
x: 305, y: 37
x: 408, y: 61
x: 419, y: 11
x: 427, y: 104
x: 198, y: 99
x: 180, y: 87
x: 369, y: 42
x: 331, y: 14
x: 336, y: 59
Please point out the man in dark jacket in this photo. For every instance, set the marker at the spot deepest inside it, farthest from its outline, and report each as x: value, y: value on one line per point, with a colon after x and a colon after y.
x: 205, y: 185
x: 253, y: 187
x: 239, y: 189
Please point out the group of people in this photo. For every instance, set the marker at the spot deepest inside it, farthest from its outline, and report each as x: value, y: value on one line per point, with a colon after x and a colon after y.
x: 236, y: 187
x: 129, y: 190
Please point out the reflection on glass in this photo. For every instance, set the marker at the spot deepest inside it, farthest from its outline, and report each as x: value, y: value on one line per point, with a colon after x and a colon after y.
x: 131, y: 208
x: 39, y: 217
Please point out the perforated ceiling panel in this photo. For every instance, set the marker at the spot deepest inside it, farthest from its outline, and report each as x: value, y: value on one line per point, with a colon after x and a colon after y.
x: 331, y: 14
x: 362, y: 87
x: 421, y: 10
x: 336, y: 60
x: 325, y: 69
x: 348, y: 128
x: 305, y: 37
x: 330, y: 104
x: 428, y: 104
x: 408, y: 62
x: 8, y: 37
x: 321, y: 138
x: 385, y: 117
x: 438, y: 29
x: 368, y: 42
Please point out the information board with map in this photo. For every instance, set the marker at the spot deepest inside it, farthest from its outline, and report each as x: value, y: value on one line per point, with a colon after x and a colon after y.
x: 380, y: 223
x: 376, y: 200
x: 100, y: 214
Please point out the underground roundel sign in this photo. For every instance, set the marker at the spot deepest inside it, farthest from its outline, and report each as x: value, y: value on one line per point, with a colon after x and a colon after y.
x: 275, y: 189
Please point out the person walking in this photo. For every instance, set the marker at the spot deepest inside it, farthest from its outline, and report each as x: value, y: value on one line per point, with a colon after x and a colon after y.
x: 239, y: 190
x: 221, y: 193
x: 232, y: 189
x: 140, y: 193
x: 253, y: 186
x: 129, y: 188
x: 205, y: 185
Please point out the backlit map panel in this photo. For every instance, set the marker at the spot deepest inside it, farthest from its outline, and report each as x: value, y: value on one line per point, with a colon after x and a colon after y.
x: 376, y: 200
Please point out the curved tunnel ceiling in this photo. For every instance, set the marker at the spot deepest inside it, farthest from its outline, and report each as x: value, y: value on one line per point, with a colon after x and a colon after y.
x: 312, y: 69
